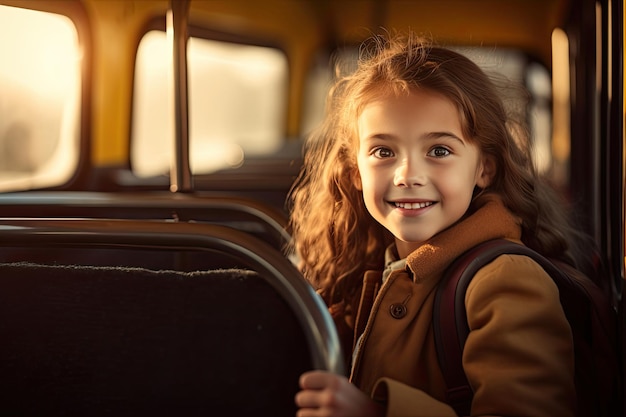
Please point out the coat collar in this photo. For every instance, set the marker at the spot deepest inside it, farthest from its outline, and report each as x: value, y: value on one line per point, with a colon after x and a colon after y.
x: 491, y: 220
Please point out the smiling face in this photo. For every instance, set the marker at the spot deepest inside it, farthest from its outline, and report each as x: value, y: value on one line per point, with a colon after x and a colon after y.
x: 417, y: 170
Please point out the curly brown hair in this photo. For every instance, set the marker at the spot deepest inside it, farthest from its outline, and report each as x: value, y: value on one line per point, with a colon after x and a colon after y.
x: 335, y: 237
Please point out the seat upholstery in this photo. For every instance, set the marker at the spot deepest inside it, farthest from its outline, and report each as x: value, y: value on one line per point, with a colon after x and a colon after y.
x: 107, y: 341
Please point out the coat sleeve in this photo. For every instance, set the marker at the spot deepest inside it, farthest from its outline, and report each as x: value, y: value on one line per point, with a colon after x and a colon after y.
x: 405, y: 401
x: 519, y: 355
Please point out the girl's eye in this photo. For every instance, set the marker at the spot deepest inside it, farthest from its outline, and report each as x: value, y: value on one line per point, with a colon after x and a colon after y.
x: 439, y: 152
x: 382, y: 153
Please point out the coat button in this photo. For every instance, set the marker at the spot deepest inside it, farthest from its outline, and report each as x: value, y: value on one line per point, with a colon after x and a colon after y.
x: 397, y: 310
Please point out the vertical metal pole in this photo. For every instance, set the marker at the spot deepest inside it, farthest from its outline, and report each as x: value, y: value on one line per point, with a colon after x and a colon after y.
x: 180, y: 172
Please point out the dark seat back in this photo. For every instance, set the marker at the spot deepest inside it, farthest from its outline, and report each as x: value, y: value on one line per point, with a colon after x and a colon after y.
x: 129, y: 342
x: 116, y: 341
x: 90, y: 341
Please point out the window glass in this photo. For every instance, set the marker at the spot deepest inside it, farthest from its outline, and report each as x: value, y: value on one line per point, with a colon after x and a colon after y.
x: 237, y: 102
x: 40, y: 82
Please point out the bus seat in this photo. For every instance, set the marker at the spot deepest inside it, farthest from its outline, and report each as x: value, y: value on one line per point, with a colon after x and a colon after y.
x: 88, y: 341
x: 110, y: 340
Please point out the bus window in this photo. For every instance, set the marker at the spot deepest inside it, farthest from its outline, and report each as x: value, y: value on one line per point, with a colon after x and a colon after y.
x: 40, y: 79
x: 237, y: 101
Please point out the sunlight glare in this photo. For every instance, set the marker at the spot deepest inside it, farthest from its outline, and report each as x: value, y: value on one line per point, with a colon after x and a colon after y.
x: 47, y: 54
x: 40, y: 81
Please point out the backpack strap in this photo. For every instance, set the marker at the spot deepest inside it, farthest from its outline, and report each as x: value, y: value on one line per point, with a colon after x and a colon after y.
x: 450, y: 318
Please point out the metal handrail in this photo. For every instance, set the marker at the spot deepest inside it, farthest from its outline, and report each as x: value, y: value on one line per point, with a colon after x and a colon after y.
x: 85, y: 203
x: 180, y: 174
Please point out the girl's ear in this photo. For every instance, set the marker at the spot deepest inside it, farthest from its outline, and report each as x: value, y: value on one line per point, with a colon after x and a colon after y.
x: 487, y: 172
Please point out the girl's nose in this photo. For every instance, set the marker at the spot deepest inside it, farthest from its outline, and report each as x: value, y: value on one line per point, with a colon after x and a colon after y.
x: 409, y: 173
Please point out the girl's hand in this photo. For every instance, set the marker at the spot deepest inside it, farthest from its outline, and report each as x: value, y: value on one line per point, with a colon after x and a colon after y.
x: 325, y: 394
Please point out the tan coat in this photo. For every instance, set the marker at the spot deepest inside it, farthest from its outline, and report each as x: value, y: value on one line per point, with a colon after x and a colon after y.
x: 519, y: 354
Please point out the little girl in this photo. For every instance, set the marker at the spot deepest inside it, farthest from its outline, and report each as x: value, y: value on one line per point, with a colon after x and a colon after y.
x: 416, y: 162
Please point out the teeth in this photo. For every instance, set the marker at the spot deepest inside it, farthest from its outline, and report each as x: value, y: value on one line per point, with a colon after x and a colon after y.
x: 413, y: 206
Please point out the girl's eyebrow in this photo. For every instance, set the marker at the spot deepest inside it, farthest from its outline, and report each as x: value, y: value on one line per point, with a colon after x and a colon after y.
x: 442, y: 134
x: 429, y: 135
